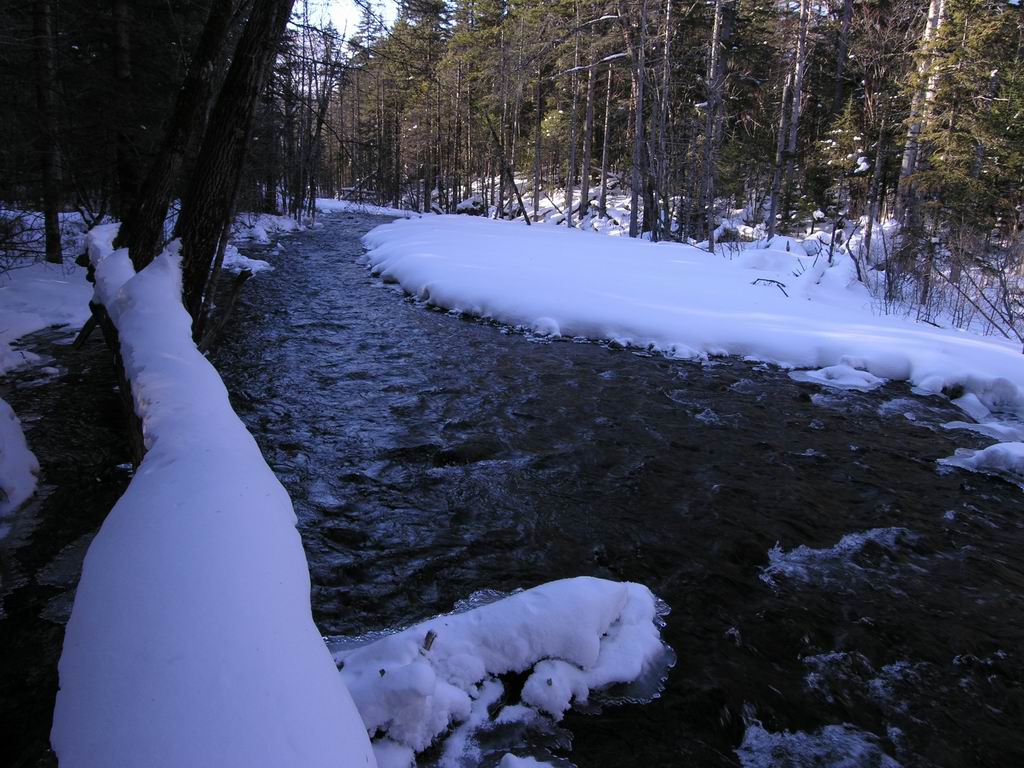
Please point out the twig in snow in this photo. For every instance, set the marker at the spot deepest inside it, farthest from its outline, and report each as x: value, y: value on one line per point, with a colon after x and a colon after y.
x: 776, y: 283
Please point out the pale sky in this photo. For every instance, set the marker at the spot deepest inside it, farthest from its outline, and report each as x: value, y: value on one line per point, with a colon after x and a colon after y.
x: 346, y: 14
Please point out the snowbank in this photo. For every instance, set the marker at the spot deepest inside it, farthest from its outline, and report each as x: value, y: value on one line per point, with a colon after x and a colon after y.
x: 236, y: 262
x: 328, y: 205
x: 191, y: 641
x: 18, y: 465
x: 574, y: 636
x: 770, y: 305
x: 37, y: 297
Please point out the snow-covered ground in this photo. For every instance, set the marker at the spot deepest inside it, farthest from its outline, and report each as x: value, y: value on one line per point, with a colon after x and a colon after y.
x: 191, y: 641
x: 773, y: 303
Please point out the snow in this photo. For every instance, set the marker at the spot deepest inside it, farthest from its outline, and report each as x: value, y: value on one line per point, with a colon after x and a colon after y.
x: 840, y: 376
x: 258, y: 228
x: 18, y: 465
x: 329, y: 205
x: 236, y: 262
x: 191, y: 641
x: 473, y: 205
x: 37, y: 297
x: 573, y: 636
x: 1002, y: 459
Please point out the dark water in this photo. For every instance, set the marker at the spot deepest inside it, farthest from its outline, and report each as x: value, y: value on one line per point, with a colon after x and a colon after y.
x: 431, y: 456
x: 72, y: 421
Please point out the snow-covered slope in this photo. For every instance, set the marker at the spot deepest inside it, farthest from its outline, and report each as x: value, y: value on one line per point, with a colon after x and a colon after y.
x: 191, y: 642
x: 773, y: 305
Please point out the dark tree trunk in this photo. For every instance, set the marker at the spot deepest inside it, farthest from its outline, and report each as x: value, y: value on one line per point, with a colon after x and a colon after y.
x: 588, y: 140
x: 124, y: 149
x: 603, y: 199
x: 42, y: 23
x: 209, y: 200
x: 537, y: 148
x: 142, y: 232
x: 842, y: 53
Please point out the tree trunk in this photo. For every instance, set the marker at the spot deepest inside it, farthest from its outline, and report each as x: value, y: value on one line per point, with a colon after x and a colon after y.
x: 637, y: 48
x: 663, y: 161
x: 209, y: 200
x: 603, y: 200
x: 142, y: 232
x: 537, y: 149
x: 873, y: 195
x: 570, y: 176
x: 124, y: 151
x: 799, y: 67
x: 780, y: 154
x: 46, y: 100
x: 919, y: 105
x: 842, y: 53
x: 714, y: 99
x: 588, y: 140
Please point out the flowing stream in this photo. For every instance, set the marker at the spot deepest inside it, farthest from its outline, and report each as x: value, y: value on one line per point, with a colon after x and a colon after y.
x: 835, y: 594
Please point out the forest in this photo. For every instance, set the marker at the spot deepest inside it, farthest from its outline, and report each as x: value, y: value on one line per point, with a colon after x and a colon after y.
x: 493, y: 384
x: 893, y: 123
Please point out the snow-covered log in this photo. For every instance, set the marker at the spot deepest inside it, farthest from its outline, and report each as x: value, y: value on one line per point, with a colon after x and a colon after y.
x: 191, y: 642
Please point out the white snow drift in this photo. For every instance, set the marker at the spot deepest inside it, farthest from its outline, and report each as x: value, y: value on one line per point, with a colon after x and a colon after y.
x: 574, y: 636
x: 18, y: 465
x: 1004, y: 459
x: 36, y: 297
x: 191, y: 641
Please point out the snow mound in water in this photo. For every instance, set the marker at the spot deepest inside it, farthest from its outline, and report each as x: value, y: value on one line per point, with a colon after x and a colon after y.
x: 840, y: 376
x: 236, y: 262
x: 574, y: 636
x: 18, y: 465
x: 806, y: 564
x: 1002, y: 459
x: 836, y: 746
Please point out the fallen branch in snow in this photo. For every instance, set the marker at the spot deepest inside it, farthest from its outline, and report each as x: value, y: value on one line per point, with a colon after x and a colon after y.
x: 769, y: 281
